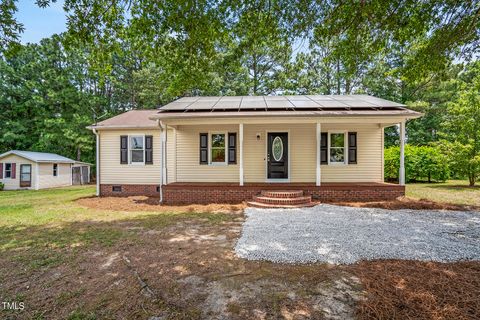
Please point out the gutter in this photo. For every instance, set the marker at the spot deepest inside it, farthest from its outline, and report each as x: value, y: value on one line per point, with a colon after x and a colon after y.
x: 162, y: 127
x: 307, y: 114
x: 97, y: 161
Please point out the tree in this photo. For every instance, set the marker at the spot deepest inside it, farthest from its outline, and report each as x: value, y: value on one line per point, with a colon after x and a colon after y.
x: 47, y: 98
x: 461, y: 129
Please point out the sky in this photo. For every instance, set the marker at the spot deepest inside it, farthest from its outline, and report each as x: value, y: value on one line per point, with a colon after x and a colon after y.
x: 40, y: 23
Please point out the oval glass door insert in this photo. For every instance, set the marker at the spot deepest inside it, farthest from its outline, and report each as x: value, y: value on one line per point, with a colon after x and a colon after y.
x: 277, y: 148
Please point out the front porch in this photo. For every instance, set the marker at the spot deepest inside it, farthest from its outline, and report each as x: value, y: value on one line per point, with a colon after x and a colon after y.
x: 204, y: 193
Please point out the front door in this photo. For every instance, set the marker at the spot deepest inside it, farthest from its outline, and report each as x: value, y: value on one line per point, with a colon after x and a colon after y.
x: 25, y: 175
x: 277, y: 155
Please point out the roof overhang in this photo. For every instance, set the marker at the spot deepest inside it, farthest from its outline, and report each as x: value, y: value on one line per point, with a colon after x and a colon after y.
x: 116, y: 127
x: 405, y: 113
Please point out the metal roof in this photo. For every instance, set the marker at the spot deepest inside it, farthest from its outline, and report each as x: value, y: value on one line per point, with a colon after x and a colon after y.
x: 281, y: 103
x: 38, y: 156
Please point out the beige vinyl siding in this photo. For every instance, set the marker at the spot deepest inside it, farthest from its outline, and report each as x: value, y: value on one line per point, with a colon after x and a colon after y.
x: 13, y: 184
x: 301, y: 147
x: 46, y: 179
x: 302, y: 154
x: 171, y: 160
x: 112, y: 172
x: 188, y: 153
x: 183, y: 155
x: 369, y: 158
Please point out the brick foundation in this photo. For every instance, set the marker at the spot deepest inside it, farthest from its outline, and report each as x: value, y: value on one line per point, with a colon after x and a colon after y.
x: 106, y: 190
x: 185, y: 193
x: 210, y: 193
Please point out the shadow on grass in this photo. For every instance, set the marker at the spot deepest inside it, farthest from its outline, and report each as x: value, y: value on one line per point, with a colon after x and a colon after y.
x: 457, y: 187
x: 42, y: 246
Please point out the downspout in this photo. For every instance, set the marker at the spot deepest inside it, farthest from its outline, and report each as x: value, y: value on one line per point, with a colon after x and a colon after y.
x: 162, y: 128
x: 97, y: 161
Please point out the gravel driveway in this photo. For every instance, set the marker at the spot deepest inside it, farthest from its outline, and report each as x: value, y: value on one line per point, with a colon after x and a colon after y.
x: 336, y: 234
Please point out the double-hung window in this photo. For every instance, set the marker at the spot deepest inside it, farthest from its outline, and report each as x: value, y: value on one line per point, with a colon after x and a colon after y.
x: 55, y: 169
x: 8, y: 170
x: 137, y: 149
x: 218, y: 148
x: 336, y: 148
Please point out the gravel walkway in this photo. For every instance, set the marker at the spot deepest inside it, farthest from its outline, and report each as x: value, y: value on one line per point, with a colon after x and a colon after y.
x: 344, y: 235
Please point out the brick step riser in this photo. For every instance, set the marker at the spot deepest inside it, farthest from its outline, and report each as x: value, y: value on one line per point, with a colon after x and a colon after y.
x: 283, y: 201
x: 282, y: 194
x: 273, y: 206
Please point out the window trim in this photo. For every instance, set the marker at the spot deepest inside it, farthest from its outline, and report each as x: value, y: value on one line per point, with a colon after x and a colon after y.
x: 5, y: 170
x: 210, y: 140
x: 345, y: 148
x: 55, y: 170
x: 129, y: 150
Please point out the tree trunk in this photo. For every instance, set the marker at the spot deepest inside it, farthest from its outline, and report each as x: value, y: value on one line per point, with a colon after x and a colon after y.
x: 79, y: 153
x: 471, y: 180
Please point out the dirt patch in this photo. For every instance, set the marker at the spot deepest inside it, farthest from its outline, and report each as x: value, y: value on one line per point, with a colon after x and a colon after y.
x: 142, y: 203
x: 399, y: 289
x: 409, y: 203
x: 185, y: 269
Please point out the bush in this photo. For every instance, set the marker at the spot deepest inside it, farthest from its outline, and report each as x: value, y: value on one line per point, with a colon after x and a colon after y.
x: 424, y: 163
x: 1, y: 186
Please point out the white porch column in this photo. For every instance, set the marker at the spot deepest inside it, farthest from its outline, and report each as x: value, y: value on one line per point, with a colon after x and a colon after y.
x: 318, y: 172
x: 401, y: 176
x: 97, y: 165
x: 240, y: 141
x: 164, y: 155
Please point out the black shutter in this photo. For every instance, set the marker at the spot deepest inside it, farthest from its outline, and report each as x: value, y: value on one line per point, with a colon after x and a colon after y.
x: 203, y: 148
x: 324, y: 148
x: 123, y: 149
x: 148, y: 149
x: 352, y: 148
x: 232, y: 147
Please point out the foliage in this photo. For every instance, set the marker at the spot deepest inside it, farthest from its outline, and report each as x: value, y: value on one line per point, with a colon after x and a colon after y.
x: 422, y: 163
x: 2, y: 185
x: 47, y: 98
x: 123, y: 55
x: 461, y: 128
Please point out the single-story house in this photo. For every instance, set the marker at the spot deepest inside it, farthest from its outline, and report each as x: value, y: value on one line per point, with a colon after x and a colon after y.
x: 233, y: 148
x: 39, y: 170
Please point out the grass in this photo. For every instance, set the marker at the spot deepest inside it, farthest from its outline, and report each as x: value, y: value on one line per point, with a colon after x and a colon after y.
x: 66, y: 260
x: 453, y: 191
x: 41, y: 225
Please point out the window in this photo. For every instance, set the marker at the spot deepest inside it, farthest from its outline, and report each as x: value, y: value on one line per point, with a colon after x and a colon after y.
x: 217, y: 149
x: 137, y: 149
x: 337, y: 148
x: 55, y: 169
x: 8, y: 170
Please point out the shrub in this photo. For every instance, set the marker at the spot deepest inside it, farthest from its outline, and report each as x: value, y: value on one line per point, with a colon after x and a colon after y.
x: 422, y: 163
x: 1, y: 186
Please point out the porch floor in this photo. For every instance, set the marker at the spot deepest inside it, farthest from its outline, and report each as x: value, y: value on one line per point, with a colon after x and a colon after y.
x: 284, y: 185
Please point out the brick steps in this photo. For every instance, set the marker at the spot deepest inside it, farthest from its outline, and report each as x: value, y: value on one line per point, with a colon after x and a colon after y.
x: 255, y: 204
x: 288, y: 201
x: 282, y: 193
x: 281, y: 199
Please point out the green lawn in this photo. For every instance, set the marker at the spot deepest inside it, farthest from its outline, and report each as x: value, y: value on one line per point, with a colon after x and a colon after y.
x: 452, y: 191
x: 54, y: 207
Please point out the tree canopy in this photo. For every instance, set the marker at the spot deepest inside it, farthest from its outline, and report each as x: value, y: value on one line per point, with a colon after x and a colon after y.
x: 119, y: 55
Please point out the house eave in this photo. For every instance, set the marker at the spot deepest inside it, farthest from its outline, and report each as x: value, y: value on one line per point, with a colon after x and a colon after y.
x: 407, y: 114
x: 123, y: 127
